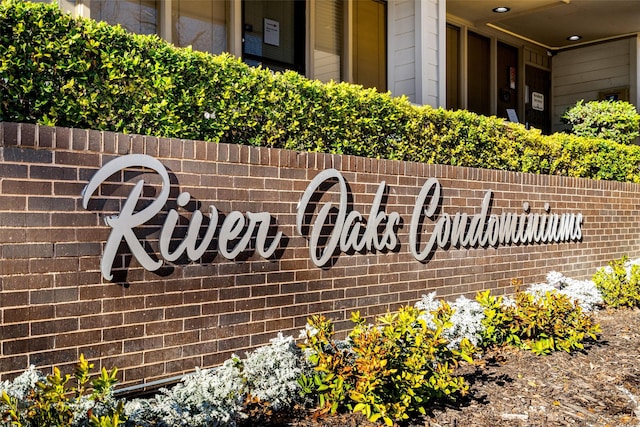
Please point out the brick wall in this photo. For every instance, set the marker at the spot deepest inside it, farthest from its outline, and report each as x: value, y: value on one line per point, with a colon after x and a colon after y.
x: 55, y: 303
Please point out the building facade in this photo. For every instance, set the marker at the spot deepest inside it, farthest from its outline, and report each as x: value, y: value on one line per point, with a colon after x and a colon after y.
x: 456, y: 54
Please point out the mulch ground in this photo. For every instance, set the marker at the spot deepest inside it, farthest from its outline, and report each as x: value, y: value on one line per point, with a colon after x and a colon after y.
x: 597, y: 387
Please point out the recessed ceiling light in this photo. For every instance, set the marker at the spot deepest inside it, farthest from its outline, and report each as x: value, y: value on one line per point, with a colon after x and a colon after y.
x: 501, y: 9
x: 574, y: 38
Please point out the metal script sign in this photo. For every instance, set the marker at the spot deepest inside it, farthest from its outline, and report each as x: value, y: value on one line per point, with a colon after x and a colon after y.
x: 332, y: 231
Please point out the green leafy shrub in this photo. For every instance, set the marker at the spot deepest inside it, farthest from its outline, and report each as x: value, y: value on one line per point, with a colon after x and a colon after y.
x: 52, y: 401
x: 619, y: 283
x: 615, y: 120
x: 388, y: 371
x: 74, y: 72
x: 540, y: 323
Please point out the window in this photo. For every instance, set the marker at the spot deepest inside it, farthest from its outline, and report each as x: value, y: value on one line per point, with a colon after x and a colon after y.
x: 137, y: 16
x: 274, y: 34
x: 329, y: 40
x: 200, y: 24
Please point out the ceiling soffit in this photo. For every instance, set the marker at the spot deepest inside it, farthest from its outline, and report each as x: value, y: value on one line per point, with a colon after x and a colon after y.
x: 548, y: 23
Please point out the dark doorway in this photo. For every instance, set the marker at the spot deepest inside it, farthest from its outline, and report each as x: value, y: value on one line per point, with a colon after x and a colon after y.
x: 537, y: 93
x: 478, y: 98
x: 453, y: 67
x: 507, y: 79
x: 273, y: 34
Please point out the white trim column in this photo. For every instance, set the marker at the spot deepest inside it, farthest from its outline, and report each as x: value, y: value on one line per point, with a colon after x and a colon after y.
x: 442, y: 53
x: 634, y: 77
x: 430, y: 51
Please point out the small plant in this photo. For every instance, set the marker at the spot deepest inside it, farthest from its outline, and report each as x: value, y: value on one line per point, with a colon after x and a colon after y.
x: 271, y: 375
x: 52, y: 401
x: 615, y: 120
x: 205, y: 398
x: 465, y: 321
x: 390, y: 370
x: 333, y: 364
x: 619, y: 283
x: 260, y: 385
x: 584, y: 292
x: 538, y: 322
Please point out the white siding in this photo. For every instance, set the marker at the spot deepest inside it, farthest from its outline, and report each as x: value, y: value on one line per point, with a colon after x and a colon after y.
x: 582, y: 73
x: 401, y: 46
x: 428, y: 40
x: 416, y: 50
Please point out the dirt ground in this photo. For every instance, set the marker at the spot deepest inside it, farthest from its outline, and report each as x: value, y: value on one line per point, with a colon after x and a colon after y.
x: 597, y: 387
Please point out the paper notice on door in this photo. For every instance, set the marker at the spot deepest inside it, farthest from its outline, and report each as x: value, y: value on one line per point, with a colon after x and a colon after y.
x: 271, y: 32
x: 537, y: 101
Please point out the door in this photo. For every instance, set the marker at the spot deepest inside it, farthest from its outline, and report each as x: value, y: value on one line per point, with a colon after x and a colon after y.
x: 537, y: 102
x: 478, y: 69
x: 273, y: 34
x: 453, y: 67
x: 507, y: 79
x: 370, y: 44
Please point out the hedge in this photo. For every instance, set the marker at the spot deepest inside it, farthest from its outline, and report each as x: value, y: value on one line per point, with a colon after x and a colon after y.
x: 74, y: 72
x: 617, y: 120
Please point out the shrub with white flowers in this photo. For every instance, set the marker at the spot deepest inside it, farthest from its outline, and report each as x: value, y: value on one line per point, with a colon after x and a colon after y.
x: 540, y: 289
x: 427, y: 304
x: 584, y: 292
x: 271, y: 372
x: 217, y: 397
x: 466, y: 320
x: 15, y: 392
x: 22, y: 384
x: 211, y: 397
